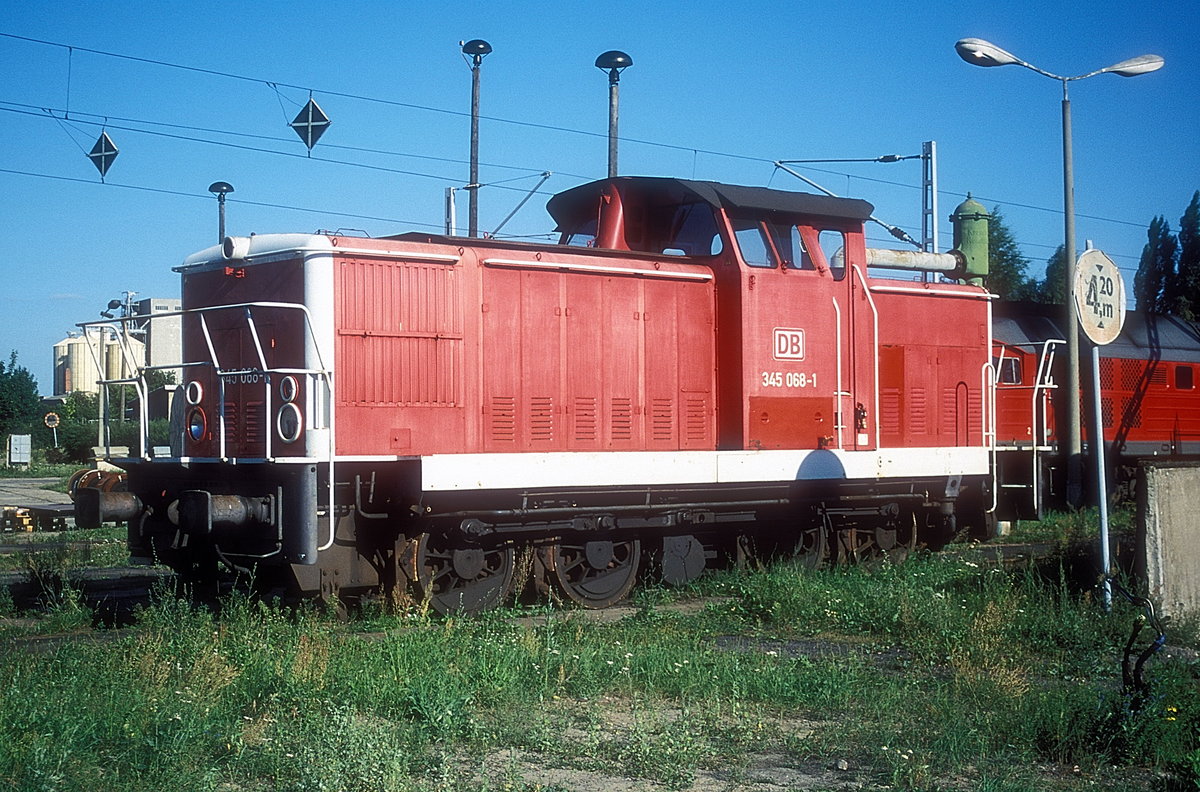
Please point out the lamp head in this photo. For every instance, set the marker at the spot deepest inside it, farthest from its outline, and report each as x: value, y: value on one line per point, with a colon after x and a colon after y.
x: 614, y: 60
x: 1142, y: 64
x: 476, y: 49
x: 978, y: 52
x: 220, y: 188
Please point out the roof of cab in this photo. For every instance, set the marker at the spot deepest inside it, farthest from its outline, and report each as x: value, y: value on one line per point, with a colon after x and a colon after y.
x: 568, y: 205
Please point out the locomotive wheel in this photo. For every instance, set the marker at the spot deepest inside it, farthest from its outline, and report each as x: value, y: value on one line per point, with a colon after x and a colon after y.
x: 682, y: 559
x: 897, y: 538
x: 462, y: 579
x: 812, y: 548
x: 593, y: 574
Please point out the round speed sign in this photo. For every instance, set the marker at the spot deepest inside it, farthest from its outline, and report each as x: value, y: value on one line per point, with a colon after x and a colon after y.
x: 1099, y: 295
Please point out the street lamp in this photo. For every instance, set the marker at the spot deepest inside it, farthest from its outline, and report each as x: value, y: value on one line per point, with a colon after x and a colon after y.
x: 475, y: 49
x: 220, y: 189
x: 614, y: 62
x: 983, y: 53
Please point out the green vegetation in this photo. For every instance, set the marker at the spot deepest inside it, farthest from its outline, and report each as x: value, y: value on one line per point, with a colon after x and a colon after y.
x: 1066, y: 528
x: 1168, y: 274
x: 54, y: 553
x: 941, y: 673
x: 19, y: 401
x: 41, y: 470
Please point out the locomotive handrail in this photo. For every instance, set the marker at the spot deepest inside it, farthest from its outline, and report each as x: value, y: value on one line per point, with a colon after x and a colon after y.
x: 926, y: 292
x: 128, y: 360
x: 599, y: 269
x: 841, y: 393
x: 322, y: 372
x: 1042, y: 383
x: 875, y: 350
x: 988, y: 375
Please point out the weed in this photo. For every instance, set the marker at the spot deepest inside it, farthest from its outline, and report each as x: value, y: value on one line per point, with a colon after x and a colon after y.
x: 975, y: 674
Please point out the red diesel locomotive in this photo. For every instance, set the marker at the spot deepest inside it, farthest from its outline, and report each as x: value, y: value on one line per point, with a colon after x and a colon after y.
x: 1150, y: 404
x: 693, y: 368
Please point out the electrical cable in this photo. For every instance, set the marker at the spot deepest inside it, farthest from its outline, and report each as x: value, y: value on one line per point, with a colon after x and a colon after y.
x: 275, y: 85
x: 182, y: 194
x: 1132, y: 679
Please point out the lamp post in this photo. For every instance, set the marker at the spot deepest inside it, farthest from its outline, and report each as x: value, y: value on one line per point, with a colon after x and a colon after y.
x: 475, y: 49
x: 220, y: 189
x: 983, y: 53
x: 614, y: 62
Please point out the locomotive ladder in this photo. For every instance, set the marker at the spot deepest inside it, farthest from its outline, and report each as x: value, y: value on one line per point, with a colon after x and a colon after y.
x: 1043, y: 383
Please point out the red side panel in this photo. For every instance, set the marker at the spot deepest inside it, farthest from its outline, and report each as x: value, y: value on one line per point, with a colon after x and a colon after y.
x: 581, y: 361
x: 621, y: 333
x: 932, y: 353
x: 400, y: 355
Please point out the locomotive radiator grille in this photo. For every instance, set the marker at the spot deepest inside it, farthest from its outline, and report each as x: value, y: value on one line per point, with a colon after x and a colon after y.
x: 662, y: 420
x: 621, y: 419
x: 503, y: 416
x: 696, y: 421
x: 541, y: 419
x: 231, y: 421
x: 585, y: 423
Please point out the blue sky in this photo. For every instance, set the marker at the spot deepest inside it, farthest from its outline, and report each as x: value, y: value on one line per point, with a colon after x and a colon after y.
x: 717, y: 91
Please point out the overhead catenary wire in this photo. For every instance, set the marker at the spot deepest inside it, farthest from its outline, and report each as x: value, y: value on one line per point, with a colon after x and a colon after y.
x: 276, y: 84
x: 77, y: 117
x: 207, y: 197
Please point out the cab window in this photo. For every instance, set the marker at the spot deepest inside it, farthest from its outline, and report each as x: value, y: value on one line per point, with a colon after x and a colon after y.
x: 833, y: 245
x: 791, y: 247
x: 1184, y: 378
x: 753, y: 243
x: 1008, y: 370
x: 692, y: 232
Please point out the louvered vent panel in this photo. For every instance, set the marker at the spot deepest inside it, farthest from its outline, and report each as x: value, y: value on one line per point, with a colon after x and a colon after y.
x: 696, y: 421
x: 252, y: 425
x: 889, y: 411
x: 621, y: 419
x: 918, y: 411
x: 541, y: 419
x: 503, y: 414
x: 232, y: 425
x: 586, y: 424
x: 662, y: 419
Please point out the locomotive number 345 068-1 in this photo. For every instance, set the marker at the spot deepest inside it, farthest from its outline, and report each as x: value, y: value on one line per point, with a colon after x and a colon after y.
x: 790, y: 379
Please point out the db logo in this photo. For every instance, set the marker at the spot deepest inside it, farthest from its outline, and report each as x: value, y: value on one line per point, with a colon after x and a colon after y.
x: 788, y: 344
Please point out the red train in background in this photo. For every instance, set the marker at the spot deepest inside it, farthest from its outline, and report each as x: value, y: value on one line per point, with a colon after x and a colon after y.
x: 1150, y: 405
x: 694, y: 371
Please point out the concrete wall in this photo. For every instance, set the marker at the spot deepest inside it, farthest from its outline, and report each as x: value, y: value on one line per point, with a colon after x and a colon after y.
x: 1169, y: 535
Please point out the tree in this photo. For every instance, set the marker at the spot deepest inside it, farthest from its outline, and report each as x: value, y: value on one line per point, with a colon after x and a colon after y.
x: 1152, y: 285
x: 1052, y: 289
x: 1185, y: 297
x: 19, y: 399
x: 1007, y: 265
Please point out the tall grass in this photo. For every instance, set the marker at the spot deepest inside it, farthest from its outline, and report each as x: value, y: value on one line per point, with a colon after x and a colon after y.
x: 933, y: 670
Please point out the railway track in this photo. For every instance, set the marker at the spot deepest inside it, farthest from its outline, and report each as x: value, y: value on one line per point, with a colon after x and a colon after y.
x: 111, y: 593
x: 34, y: 546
